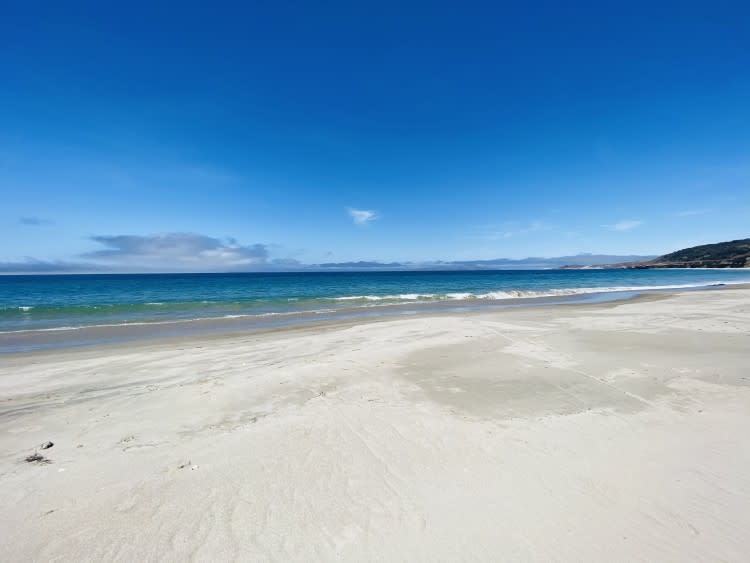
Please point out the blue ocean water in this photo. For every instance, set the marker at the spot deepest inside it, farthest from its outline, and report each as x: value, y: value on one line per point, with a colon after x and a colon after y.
x: 34, y: 303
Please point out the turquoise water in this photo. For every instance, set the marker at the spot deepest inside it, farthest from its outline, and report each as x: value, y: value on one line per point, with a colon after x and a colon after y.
x: 34, y: 303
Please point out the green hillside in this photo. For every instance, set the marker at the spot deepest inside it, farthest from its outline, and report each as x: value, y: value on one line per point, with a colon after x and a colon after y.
x: 732, y: 254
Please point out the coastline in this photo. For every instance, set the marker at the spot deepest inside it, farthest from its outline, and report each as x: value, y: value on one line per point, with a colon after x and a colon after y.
x: 314, y: 327
x: 42, y: 340
x: 518, y: 431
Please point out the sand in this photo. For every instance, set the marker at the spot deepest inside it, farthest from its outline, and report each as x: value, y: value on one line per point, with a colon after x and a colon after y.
x: 570, y: 433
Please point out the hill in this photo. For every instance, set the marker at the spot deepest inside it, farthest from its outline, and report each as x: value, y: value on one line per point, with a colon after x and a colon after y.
x: 732, y: 254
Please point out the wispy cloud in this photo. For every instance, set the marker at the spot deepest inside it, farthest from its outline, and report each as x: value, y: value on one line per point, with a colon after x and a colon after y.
x: 536, y: 226
x: 361, y: 216
x: 34, y: 221
x: 692, y: 212
x: 624, y: 225
x: 511, y: 229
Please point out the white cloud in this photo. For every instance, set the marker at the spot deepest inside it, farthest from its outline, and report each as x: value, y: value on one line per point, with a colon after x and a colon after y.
x: 178, y: 251
x: 167, y: 252
x: 624, y: 225
x: 361, y: 216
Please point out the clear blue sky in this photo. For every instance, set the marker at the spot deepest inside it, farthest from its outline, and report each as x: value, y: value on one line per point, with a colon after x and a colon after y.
x: 233, y: 134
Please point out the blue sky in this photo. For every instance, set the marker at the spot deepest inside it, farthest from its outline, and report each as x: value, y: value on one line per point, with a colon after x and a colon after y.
x: 236, y: 135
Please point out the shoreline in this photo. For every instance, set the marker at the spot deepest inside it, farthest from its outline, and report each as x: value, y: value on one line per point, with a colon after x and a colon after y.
x: 195, y: 339
x: 35, y: 341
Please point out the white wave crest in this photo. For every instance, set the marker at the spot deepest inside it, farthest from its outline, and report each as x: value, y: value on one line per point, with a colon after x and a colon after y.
x: 399, y: 297
x: 523, y: 294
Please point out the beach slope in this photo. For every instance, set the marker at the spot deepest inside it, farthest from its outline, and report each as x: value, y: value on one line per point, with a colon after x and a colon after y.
x: 578, y: 432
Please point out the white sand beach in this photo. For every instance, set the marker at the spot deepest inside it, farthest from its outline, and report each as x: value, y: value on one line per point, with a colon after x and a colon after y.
x: 616, y: 431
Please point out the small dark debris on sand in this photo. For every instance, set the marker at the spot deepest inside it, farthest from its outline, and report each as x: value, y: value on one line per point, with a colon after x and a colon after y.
x: 47, y: 445
x: 36, y: 457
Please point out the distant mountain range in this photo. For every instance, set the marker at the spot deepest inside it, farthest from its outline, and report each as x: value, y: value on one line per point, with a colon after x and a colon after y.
x: 732, y: 254
x: 533, y: 263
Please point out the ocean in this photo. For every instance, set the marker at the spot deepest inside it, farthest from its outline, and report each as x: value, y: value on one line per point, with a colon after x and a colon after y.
x: 166, y: 304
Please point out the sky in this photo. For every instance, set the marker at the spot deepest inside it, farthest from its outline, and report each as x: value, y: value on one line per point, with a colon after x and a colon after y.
x: 238, y: 136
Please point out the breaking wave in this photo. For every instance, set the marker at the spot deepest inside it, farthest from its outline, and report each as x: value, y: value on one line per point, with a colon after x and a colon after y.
x: 520, y: 294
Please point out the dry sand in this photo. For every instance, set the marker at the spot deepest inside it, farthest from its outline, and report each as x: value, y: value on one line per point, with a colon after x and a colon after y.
x: 585, y: 432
